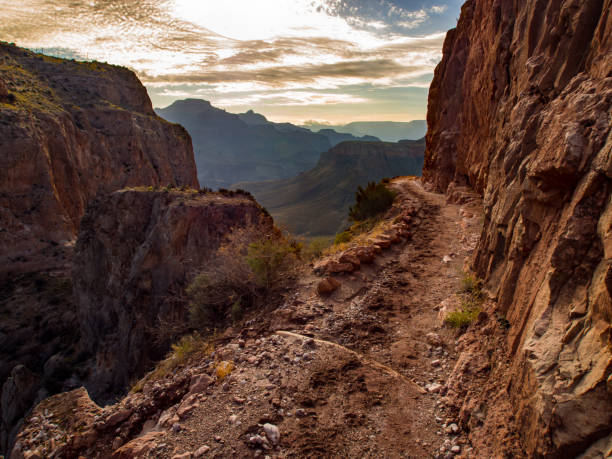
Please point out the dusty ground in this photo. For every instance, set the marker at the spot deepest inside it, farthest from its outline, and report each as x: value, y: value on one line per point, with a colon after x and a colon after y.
x: 361, y: 385
x: 360, y: 373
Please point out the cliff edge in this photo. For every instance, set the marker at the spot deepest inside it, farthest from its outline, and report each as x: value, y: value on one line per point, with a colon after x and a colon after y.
x: 519, y: 110
x: 68, y: 131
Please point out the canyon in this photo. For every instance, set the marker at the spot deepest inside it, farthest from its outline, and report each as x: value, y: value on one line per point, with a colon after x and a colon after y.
x: 355, y: 356
x: 246, y: 147
x: 316, y: 202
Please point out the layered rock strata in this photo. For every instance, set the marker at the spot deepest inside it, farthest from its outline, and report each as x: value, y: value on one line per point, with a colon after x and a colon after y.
x: 68, y: 131
x: 519, y: 110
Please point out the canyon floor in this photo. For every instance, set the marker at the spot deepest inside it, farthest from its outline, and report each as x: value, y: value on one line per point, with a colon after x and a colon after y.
x: 359, y: 373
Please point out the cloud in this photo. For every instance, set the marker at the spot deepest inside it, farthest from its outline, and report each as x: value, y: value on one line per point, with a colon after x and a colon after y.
x: 276, y: 76
x: 242, y: 48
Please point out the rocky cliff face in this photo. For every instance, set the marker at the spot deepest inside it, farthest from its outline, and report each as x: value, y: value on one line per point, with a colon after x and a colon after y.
x: 135, y: 253
x: 519, y: 110
x: 68, y: 131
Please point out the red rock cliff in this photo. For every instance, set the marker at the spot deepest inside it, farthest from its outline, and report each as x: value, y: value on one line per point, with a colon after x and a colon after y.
x: 519, y: 110
x: 68, y: 131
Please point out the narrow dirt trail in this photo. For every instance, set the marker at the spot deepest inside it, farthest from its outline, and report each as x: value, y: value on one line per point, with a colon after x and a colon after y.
x: 389, y: 316
x: 360, y: 373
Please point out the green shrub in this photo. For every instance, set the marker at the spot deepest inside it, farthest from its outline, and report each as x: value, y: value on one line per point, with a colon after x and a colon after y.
x: 463, y: 317
x: 343, y: 237
x: 267, y: 257
x: 371, y: 201
x: 247, y: 267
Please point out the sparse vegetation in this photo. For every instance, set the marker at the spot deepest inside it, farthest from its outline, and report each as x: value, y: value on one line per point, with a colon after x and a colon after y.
x: 471, y: 284
x: 247, y: 268
x: 223, y: 369
x: 464, y: 316
x: 315, y: 248
x: 471, y: 302
x: 371, y: 201
x: 343, y: 237
x: 187, y: 347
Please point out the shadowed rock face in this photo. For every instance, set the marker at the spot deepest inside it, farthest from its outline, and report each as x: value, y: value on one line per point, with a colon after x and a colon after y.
x: 69, y: 131
x: 135, y: 254
x: 519, y: 110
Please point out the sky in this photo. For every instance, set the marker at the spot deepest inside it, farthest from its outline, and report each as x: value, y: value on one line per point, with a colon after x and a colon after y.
x: 333, y: 61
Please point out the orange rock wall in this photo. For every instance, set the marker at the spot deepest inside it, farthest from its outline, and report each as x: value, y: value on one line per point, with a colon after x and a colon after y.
x: 519, y: 110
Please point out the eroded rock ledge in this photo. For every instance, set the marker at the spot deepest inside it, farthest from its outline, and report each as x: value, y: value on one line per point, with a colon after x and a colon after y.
x: 136, y: 252
x: 519, y: 110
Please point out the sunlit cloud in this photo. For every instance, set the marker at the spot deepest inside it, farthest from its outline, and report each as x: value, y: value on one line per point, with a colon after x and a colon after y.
x: 222, y: 50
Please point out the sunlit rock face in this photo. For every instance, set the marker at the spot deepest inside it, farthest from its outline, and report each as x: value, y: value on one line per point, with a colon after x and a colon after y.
x: 519, y: 109
x: 69, y: 131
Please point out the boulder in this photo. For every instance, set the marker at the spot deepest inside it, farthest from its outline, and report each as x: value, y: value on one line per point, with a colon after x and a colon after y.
x: 327, y: 286
x: 348, y: 257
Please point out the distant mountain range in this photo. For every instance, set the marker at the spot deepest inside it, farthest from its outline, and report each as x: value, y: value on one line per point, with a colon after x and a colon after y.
x: 230, y: 148
x: 315, y: 203
x: 388, y: 131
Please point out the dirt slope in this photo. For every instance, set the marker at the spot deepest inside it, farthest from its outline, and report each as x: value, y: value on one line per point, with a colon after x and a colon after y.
x: 354, y: 374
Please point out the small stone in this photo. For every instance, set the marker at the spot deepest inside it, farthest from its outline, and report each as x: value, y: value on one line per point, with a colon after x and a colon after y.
x: 433, y: 339
x: 201, y: 451
x: 435, y: 363
x: 217, y: 438
x: 272, y: 433
x: 454, y: 428
x: 433, y: 388
x: 176, y: 427
x: 233, y: 418
x: 301, y: 413
x: 186, y: 455
x: 456, y: 449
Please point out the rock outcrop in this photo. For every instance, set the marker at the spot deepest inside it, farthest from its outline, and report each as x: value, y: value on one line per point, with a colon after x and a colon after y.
x: 68, y: 131
x: 519, y: 110
x: 135, y: 254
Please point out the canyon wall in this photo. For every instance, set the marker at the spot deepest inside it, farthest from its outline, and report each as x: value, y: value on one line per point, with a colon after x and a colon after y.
x: 135, y: 254
x: 519, y: 110
x: 68, y: 131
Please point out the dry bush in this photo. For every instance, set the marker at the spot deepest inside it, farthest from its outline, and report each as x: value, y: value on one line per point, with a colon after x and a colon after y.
x: 248, y: 267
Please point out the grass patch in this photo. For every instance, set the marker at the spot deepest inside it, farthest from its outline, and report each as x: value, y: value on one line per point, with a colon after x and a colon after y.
x: 186, y: 348
x: 464, y: 316
x: 471, y: 289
